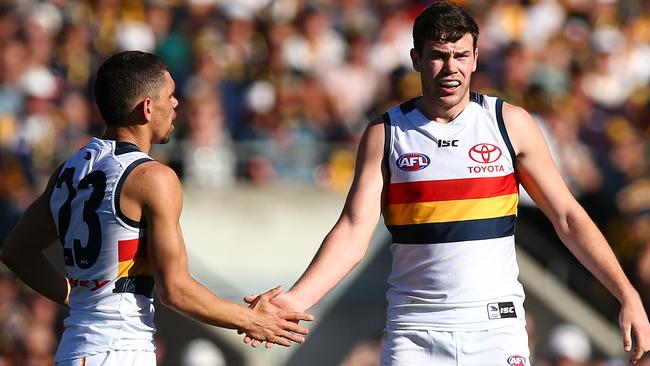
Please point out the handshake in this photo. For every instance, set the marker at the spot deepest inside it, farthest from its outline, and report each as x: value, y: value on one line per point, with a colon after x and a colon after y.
x: 273, y: 320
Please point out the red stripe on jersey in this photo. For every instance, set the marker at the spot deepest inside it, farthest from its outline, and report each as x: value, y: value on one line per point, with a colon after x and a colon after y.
x: 129, y: 249
x: 451, y: 189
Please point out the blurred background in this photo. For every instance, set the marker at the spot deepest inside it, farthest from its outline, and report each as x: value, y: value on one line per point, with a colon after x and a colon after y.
x: 274, y: 95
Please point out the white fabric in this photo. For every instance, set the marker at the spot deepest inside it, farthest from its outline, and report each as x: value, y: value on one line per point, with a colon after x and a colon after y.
x: 495, y: 347
x: 113, y: 358
x: 100, y: 320
x: 448, y: 286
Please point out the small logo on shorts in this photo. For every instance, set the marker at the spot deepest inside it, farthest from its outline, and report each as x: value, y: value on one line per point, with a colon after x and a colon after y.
x: 516, y: 360
x: 499, y: 310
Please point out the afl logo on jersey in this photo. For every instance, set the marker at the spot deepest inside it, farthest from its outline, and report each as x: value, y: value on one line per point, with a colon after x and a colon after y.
x: 411, y: 162
x: 485, y: 153
x: 516, y: 360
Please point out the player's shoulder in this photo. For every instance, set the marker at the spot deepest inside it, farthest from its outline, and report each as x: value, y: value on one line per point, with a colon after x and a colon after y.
x: 519, y: 123
x: 516, y: 114
x: 515, y: 111
x: 153, y: 179
x: 379, y: 120
x: 155, y: 172
x: 522, y: 128
x: 376, y: 127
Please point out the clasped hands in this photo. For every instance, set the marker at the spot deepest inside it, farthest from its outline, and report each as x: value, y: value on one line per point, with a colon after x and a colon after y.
x: 276, y: 321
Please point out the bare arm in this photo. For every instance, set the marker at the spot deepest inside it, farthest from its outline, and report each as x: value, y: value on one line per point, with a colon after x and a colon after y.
x: 347, y: 242
x: 578, y: 232
x: 23, y: 250
x: 159, y: 194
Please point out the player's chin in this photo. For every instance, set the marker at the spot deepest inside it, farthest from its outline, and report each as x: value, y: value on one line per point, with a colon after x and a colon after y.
x: 165, y: 139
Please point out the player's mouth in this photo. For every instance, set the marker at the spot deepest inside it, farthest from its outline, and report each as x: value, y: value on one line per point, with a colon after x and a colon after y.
x: 449, y: 86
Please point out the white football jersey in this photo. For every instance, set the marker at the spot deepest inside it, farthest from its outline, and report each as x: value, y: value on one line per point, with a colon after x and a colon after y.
x: 111, y: 299
x: 451, y: 207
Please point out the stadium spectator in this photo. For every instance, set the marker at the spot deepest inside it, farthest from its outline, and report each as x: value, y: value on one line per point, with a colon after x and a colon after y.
x: 580, y: 65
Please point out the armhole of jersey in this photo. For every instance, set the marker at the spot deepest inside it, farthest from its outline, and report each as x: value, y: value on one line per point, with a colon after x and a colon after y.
x: 504, y: 133
x: 118, y: 192
x: 387, y: 137
x: 56, y: 175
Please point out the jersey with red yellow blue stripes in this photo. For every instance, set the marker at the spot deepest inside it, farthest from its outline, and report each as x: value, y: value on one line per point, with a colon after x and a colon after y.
x: 451, y: 206
x: 111, y: 298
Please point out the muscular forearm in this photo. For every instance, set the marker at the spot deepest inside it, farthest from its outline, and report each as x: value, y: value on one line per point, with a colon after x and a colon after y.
x: 589, y: 246
x: 340, y: 252
x: 23, y: 251
x: 39, y: 274
x: 197, y: 302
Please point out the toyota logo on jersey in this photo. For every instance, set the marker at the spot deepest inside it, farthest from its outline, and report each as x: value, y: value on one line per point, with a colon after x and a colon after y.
x: 411, y: 162
x: 485, y: 153
x: 516, y: 360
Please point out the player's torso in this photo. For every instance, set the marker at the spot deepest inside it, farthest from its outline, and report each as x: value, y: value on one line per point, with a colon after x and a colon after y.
x: 111, y: 305
x: 451, y: 207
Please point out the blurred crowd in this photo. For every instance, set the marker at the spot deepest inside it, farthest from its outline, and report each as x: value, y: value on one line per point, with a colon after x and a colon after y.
x: 275, y: 91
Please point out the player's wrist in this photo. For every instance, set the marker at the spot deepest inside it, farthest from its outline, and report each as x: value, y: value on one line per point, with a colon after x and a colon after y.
x: 245, y: 319
x: 629, y: 297
x: 298, y: 301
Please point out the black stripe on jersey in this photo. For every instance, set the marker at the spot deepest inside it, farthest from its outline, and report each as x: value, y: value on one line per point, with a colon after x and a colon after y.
x: 386, y: 118
x: 138, y: 285
x: 476, y: 98
x: 449, y: 232
x: 407, y: 106
x: 118, y: 192
x: 123, y: 147
x: 504, y: 132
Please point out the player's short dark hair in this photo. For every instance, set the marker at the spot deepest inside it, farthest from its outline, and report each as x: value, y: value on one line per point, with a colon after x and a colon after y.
x: 125, y: 78
x: 443, y: 22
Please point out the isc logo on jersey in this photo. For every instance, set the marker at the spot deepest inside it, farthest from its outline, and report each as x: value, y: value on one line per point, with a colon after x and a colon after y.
x: 411, y: 162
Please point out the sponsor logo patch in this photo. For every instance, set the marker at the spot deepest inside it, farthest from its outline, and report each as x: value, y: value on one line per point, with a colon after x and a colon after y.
x: 447, y: 143
x: 500, y: 310
x: 411, y: 162
x: 484, y: 153
x: 485, y: 169
x: 516, y: 360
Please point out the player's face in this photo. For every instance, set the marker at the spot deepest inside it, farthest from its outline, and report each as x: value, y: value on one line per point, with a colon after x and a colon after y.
x: 164, y: 106
x: 446, y: 69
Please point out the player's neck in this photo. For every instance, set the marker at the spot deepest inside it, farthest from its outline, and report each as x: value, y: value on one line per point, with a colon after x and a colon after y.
x: 125, y: 134
x: 437, y: 111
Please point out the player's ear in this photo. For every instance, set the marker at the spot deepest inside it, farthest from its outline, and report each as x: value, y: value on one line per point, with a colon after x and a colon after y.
x: 415, y: 59
x: 147, y: 108
x: 475, y: 59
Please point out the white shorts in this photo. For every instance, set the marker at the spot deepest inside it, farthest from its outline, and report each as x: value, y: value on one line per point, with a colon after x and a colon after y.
x: 113, y: 358
x: 503, y: 346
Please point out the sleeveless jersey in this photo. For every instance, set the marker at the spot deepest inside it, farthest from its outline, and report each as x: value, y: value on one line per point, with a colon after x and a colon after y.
x: 111, y: 298
x: 451, y: 206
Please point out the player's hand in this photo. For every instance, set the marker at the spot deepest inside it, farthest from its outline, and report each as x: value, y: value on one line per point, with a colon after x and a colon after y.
x: 284, y: 301
x: 635, y: 329
x: 273, y: 324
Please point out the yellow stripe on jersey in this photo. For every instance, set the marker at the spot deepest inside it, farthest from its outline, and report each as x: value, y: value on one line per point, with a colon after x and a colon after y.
x: 135, y: 266
x: 449, y: 211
